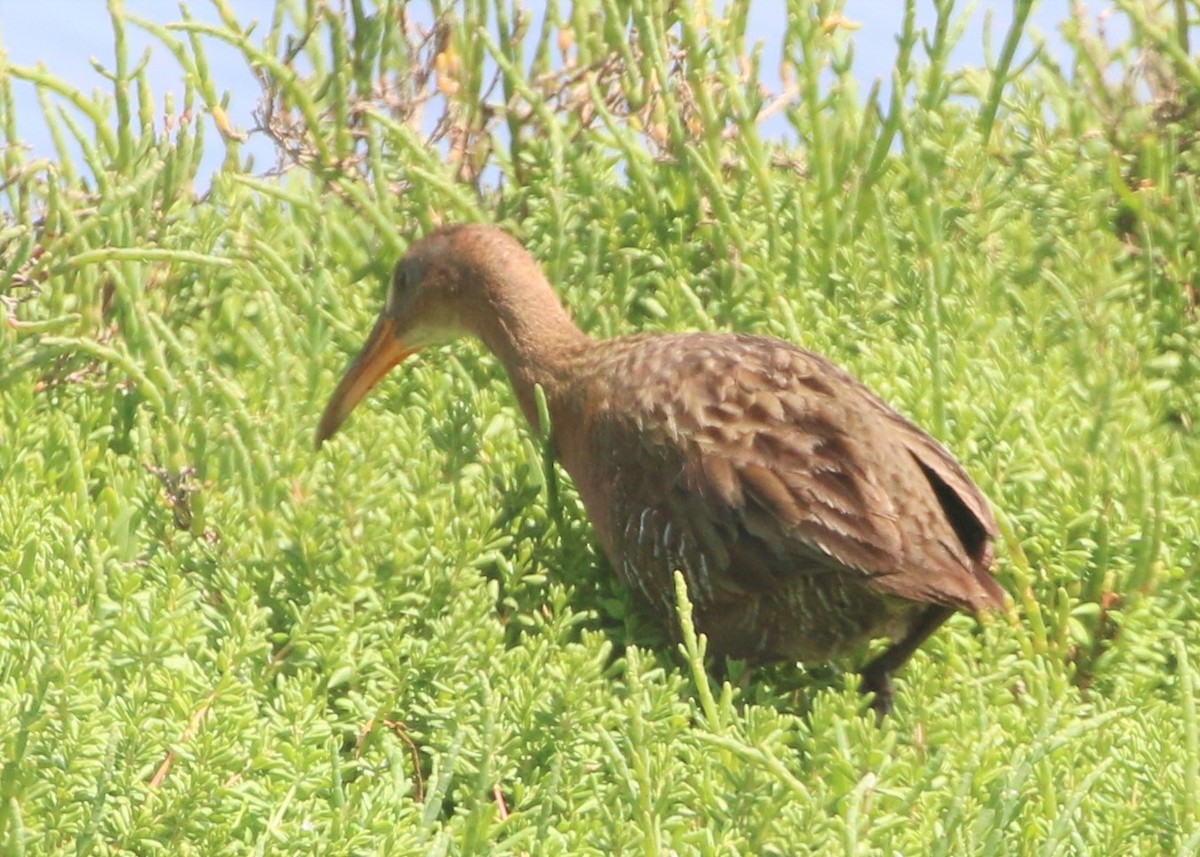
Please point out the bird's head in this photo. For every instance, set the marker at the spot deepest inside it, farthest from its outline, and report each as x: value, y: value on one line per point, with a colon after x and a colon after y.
x: 449, y: 284
x: 420, y: 311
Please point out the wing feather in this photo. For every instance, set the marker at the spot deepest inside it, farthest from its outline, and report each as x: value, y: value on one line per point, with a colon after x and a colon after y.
x: 767, y: 462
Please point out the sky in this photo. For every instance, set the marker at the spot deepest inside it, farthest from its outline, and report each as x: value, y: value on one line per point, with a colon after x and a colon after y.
x: 67, y: 35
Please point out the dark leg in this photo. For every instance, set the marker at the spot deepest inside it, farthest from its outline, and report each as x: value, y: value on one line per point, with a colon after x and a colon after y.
x: 877, y: 675
x: 719, y: 668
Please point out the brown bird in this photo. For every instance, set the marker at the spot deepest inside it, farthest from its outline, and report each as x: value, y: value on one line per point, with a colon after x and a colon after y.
x: 806, y: 515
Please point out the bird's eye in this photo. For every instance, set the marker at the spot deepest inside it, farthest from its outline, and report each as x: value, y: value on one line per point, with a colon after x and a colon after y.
x: 399, y: 285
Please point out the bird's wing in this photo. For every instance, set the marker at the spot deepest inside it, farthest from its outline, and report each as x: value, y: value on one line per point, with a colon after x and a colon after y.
x: 743, y: 461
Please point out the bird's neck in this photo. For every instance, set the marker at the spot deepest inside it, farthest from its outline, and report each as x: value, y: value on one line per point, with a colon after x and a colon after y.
x: 539, y: 344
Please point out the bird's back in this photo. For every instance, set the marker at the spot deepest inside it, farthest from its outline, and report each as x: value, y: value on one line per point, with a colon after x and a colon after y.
x: 806, y: 514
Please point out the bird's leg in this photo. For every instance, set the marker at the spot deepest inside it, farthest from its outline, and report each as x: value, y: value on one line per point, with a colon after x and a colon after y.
x: 877, y: 675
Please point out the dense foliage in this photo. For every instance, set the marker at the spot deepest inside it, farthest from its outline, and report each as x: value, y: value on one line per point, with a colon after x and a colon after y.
x: 215, y: 640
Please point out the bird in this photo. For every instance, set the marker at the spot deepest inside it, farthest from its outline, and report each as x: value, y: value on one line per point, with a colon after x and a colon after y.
x: 806, y: 515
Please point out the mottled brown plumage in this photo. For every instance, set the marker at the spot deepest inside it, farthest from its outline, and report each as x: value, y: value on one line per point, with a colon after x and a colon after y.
x: 806, y: 515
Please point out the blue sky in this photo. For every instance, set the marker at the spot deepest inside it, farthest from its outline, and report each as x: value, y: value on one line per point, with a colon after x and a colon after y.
x: 67, y: 34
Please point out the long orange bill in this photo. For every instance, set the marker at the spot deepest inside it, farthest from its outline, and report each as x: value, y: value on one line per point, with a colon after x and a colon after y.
x: 382, y: 351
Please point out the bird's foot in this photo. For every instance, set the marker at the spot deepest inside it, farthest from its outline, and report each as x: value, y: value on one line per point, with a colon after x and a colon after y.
x: 878, y: 682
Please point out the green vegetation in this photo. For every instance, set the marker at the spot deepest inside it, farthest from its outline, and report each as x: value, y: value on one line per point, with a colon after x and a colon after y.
x: 214, y: 640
